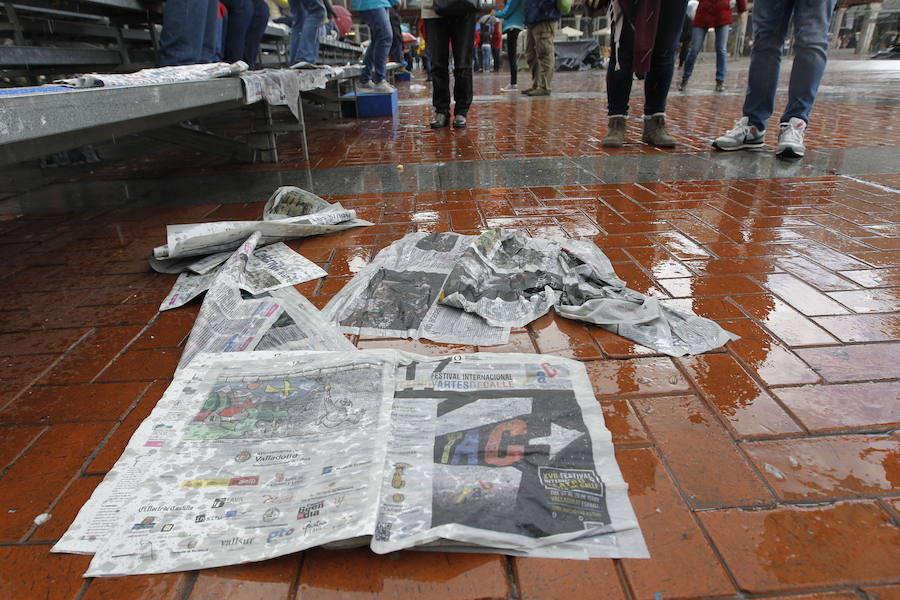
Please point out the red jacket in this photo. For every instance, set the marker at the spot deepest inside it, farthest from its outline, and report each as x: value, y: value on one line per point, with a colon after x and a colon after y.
x: 715, y: 13
x: 497, y: 37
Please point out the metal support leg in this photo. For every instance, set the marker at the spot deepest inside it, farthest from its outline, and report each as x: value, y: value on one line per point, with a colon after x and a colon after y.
x: 302, y: 120
x: 14, y: 21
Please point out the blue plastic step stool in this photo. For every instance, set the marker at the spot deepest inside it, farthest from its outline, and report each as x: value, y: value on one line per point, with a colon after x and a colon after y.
x: 369, y: 105
x: 403, y: 76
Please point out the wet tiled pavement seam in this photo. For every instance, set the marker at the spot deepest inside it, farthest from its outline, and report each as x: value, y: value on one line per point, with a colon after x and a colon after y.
x: 769, y: 468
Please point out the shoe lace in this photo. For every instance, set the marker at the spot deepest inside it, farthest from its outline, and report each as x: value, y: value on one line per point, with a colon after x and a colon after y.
x: 741, y: 129
x: 792, y: 135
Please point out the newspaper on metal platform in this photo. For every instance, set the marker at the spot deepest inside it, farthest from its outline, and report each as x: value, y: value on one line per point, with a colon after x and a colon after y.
x: 395, y: 295
x: 282, y: 87
x: 154, y: 76
x: 255, y: 455
x: 289, y: 213
x: 510, y: 279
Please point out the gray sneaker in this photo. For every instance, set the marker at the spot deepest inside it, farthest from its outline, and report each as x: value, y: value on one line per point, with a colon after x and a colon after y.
x: 383, y: 87
x: 790, y: 139
x: 744, y: 135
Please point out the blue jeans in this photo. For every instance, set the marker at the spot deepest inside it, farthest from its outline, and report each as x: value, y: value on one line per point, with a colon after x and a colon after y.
x: 375, y: 58
x: 771, y: 18
x: 698, y: 36
x: 486, y: 57
x: 189, y: 32
x: 247, y: 20
x: 308, y: 16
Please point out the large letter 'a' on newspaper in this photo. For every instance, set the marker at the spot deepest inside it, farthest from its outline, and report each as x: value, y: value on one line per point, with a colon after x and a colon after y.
x: 260, y: 454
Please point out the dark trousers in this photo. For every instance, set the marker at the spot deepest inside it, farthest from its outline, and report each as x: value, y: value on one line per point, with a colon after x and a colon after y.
x: 440, y: 33
x: 396, y: 52
x: 662, y: 65
x: 512, y: 49
x: 495, y: 52
x: 686, y: 35
x: 247, y: 20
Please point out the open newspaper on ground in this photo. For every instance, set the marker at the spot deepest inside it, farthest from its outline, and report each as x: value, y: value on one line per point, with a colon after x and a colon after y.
x: 472, y: 289
x: 396, y: 295
x: 253, y: 455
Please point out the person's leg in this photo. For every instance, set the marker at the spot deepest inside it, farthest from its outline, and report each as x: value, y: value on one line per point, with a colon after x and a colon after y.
x: 256, y: 31
x: 812, y: 20
x: 698, y: 36
x: 240, y: 12
x: 297, y: 15
x: 659, y: 79
x: 495, y: 55
x: 308, y: 43
x: 486, y: 56
x: 546, y: 57
x: 462, y: 36
x: 721, y: 52
x: 380, y: 28
x: 179, y: 43
x: 512, y: 49
x: 770, y: 24
x: 365, y: 75
x: 531, y: 56
x: 437, y: 37
x: 618, y: 74
x: 208, y: 47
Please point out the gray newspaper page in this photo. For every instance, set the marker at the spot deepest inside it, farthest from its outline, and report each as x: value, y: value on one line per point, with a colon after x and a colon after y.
x: 396, y: 295
x: 254, y: 455
x: 510, y: 279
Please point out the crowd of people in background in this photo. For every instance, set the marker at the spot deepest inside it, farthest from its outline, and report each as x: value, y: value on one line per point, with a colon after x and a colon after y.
x: 645, y: 46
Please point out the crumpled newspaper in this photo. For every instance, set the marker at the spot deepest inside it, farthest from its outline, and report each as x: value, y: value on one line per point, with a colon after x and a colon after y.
x: 176, y: 74
x: 511, y: 279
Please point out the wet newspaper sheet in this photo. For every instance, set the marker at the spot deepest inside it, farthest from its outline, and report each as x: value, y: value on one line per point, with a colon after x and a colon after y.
x: 509, y: 279
x: 255, y: 455
x: 290, y: 213
x: 396, y: 295
x: 176, y: 74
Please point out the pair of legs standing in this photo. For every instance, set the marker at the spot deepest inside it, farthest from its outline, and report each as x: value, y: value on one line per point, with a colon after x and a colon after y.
x: 247, y: 20
x: 512, y: 51
x: 619, y: 77
x: 189, y: 32
x: 375, y: 58
x: 308, y: 16
x: 698, y: 37
x: 440, y: 34
x: 541, y: 57
x: 771, y: 20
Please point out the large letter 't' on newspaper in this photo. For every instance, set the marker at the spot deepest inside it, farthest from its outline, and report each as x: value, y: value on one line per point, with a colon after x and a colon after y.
x: 260, y: 454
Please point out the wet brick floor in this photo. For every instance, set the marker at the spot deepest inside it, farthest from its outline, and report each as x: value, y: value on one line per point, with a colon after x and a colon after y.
x: 770, y: 468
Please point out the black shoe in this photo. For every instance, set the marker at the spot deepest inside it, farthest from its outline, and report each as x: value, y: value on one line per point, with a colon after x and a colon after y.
x: 440, y: 120
x: 459, y: 121
x: 720, y: 86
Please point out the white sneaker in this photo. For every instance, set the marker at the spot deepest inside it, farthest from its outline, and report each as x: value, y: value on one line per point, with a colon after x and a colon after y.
x: 790, y: 140
x: 510, y: 88
x: 365, y: 87
x: 383, y: 87
x: 744, y: 135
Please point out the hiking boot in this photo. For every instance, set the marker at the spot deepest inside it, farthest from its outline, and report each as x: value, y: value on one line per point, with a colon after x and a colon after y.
x: 383, y: 87
x: 655, y: 132
x: 615, y: 134
x: 537, y: 92
x: 459, y: 122
x: 720, y: 86
x: 790, y: 139
x: 743, y: 135
x: 440, y: 120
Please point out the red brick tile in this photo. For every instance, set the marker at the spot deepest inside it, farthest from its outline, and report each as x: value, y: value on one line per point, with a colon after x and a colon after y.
x: 886, y: 258
x: 659, y: 263
x: 726, y: 285
x: 267, y: 579
x: 170, y: 329
x: 91, y: 356
x: 623, y: 423
x: 711, y: 308
x: 680, y: 426
x: 854, y: 363
x: 870, y: 300
x: 402, y: 575
x: 20, y: 371
x: 733, y: 266
x: 36, y: 479
x: 426, y: 347
x: 568, y: 579
x: 802, y: 296
x: 815, y: 274
x: 349, y: 261
x: 15, y: 441
x: 170, y: 586
x: 794, y: 548
x: 28, y: 572
x: 676, y: 543
x: 828, y: 467
x: 650, y: 375
x: 143, y: 365
x: 61, y: 404
x: 875, y: 278
x: 115, y: 445
x: 563, y: 337
x: 519, y: 341
x: 615, y: 346
x: 887, y: 592
x: 844, y: 406
x: 748, y: 410
x: 862, y: 328
x: 818, y: 596
x: 762, y: 354
x: 66, y: 509
x: 784, y: 322
x: 40, y: 342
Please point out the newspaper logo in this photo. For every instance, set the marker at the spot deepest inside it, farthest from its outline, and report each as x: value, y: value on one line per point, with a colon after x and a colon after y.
x: 397, y: 480
x: 243, y: 456
x: 279, y: 535
x: 220, y: 502
x: 310, y: 510
x: 271, y: 514
x: 147, y: 523
x: 167, y: 527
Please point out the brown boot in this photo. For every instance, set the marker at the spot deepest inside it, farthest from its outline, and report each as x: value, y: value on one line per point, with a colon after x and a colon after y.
x: 615, y: 136
x: 655, y: 132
